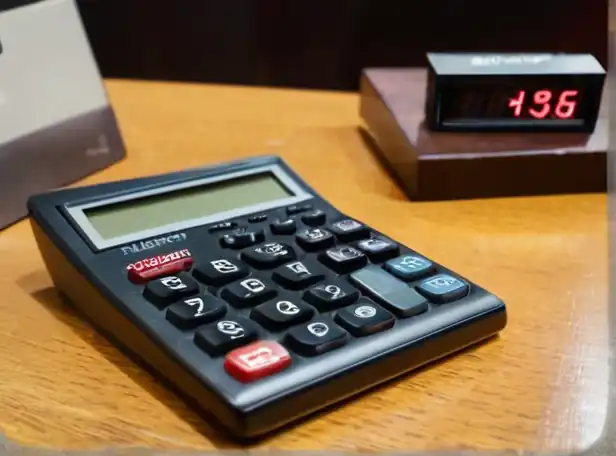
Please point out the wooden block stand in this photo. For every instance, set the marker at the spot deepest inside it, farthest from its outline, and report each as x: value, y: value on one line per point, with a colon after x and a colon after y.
x: 444, y: 166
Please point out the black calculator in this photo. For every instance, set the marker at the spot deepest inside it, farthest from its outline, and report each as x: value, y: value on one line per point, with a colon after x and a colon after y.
x: 256, y: 299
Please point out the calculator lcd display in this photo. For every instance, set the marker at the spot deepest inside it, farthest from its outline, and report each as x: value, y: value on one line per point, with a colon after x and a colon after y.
x: 139, y: 215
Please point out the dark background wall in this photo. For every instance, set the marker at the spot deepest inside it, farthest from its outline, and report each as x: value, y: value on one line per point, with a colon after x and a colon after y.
x: 324, y: 43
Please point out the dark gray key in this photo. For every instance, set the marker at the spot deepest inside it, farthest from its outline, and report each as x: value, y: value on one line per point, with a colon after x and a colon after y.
x: 392, y: 293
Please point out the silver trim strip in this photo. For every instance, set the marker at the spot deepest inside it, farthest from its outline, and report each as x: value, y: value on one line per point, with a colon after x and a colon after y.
x: 78, y: 215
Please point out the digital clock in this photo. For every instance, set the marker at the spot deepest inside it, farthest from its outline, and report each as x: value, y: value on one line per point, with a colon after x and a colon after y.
x: 513, y: 92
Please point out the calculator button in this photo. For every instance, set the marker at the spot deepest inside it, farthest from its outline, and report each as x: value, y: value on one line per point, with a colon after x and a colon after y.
x: 331, y: 295
x: 378, y: 249
x: 389, y: 291
x: 241, y: 238
x: 257, y: 360
x: 298, y: 274
x: 220, y: 337
x: 365, y: 318
x: 349, y: 230
x: 223, y: 226
x: 316, y: 337
x: 220, y: 272
x: 409, y: 267
x: 168, y: 289
x: 257, y: 218
x: 297, y: 208
x: 343, y: 258
x: 248, y: 292
x: 286, y: 226
x: 196, y: 311
x: 281, y: 313
x: 443, y: 288
x: 314, y: 218
x: 315, y: 239
x: 147, y: 269
x: 268, y: 255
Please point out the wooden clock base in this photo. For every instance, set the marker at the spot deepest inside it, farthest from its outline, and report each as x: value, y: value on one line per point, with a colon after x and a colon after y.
x: 443, y: 166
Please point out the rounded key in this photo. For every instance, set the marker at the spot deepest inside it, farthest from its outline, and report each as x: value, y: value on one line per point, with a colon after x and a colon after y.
x: 365, y: 318
x: 409, y: 267
x: 196, y: 311
x: 349, y: 230
x: 443, y: 288
x: 268, y: 255
x: 314, y: 218
x: 257, y: 360
x: 315, y: 239
x: 168, y: 289
x: 220, y: 337
x: 282, y: 312
x: 316, y: 337
x: 286, y: 226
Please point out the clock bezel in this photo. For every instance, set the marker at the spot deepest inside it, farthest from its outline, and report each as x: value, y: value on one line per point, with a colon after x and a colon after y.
x: 438, y: 84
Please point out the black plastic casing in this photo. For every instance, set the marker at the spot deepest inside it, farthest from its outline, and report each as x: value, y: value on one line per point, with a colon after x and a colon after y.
x: 461, y: 71
x: 96, y: 284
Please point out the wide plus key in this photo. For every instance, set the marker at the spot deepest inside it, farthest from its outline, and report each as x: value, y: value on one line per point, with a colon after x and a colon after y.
x: 147, y: 269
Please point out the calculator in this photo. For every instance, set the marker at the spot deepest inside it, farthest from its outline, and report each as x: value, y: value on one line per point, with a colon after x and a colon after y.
x: 249, y: 294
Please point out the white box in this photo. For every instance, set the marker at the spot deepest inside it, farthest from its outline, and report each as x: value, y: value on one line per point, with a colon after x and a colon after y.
x: 56, y: 124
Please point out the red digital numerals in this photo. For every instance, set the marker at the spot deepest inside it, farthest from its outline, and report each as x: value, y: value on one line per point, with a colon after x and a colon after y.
x: 542, y: 103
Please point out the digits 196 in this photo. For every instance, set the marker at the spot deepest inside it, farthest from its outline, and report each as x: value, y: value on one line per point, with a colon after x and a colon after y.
x: 545, y: 103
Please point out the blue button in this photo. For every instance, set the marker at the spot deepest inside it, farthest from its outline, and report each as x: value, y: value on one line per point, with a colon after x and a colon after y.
x: 443, y: 288
x: 409, y: 267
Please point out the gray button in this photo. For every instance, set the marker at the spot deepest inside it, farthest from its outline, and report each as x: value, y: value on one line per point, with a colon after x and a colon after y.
x: 392, y: 293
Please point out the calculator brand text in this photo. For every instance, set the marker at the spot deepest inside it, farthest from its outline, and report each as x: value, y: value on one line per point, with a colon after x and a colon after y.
x: 142, y: 246
x: 496, y: 60
x: 159, y: 260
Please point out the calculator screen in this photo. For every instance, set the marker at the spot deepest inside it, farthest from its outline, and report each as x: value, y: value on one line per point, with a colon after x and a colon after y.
x: 140, y: 215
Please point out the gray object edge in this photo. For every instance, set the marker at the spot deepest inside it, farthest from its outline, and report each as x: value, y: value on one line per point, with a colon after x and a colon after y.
x: 56, y: 156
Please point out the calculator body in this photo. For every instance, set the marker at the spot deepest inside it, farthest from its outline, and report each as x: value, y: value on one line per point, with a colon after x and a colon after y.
x: 285, y: 305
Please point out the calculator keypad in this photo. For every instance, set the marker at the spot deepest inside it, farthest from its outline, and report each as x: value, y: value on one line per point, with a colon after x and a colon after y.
x: 298, y: 284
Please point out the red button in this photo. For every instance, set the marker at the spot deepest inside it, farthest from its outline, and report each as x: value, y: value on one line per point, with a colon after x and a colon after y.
x: 150, y: 268
x: 257, y: 360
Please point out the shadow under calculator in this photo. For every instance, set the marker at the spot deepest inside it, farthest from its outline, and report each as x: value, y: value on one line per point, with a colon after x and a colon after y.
x: 164, y: 391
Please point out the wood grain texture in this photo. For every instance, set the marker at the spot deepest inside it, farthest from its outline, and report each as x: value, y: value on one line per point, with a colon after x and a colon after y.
x: 542, y: 385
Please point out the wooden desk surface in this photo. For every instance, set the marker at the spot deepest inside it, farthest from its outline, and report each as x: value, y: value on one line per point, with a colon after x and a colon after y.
x: 542, y: 385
